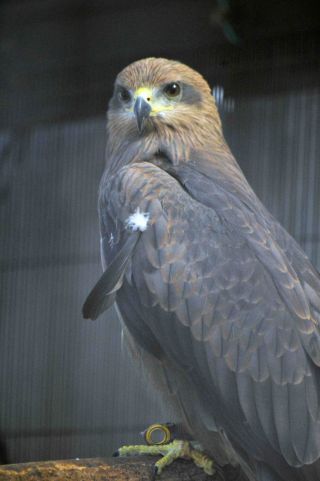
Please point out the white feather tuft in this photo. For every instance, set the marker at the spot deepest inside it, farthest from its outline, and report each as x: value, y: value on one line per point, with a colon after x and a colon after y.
x: 138, y: 221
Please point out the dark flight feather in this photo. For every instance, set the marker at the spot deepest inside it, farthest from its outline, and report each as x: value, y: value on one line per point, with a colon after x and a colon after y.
x: 104, y: 293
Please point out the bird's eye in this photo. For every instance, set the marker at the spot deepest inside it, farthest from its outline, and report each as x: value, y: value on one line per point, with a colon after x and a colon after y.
x: 172, y: 90
x: 124, y: 94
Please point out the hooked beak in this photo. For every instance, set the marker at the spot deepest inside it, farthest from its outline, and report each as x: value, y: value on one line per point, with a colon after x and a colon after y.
x: 141, y: 110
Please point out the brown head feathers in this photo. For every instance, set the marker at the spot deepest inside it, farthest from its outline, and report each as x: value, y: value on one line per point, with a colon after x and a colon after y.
x: 157, y: 71
x: 176, y: 128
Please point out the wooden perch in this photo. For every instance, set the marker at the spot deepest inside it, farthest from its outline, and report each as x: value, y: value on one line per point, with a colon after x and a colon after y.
x: 137, y: 468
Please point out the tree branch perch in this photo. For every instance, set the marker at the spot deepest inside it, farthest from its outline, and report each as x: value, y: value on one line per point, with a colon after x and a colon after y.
x: 136, y: 468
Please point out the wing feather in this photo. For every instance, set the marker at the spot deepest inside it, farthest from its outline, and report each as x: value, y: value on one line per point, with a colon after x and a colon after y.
x: 103, y: 294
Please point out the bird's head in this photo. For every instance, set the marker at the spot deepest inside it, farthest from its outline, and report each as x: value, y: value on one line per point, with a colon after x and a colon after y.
x: 161, y: 104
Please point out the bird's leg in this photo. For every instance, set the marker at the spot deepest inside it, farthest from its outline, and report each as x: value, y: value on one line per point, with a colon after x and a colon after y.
x: 171, y: 451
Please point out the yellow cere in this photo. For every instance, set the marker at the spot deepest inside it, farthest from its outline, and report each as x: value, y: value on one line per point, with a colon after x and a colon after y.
x: 144, y: 92
x: 156, y: 106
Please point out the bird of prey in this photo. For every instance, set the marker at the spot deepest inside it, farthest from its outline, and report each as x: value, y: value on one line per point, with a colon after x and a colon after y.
x: 218, y: 301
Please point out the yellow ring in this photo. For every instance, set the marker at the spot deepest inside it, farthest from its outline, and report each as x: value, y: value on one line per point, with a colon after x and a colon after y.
x: 157, y: 427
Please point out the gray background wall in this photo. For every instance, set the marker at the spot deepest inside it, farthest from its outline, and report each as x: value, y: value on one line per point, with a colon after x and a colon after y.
x: 66, y: 389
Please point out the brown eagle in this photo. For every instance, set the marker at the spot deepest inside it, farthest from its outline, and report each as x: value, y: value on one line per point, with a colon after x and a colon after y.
x: 217, y: 299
